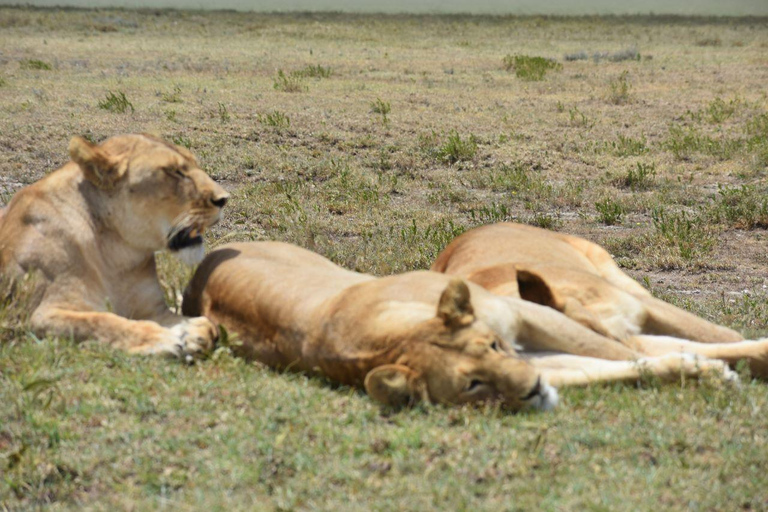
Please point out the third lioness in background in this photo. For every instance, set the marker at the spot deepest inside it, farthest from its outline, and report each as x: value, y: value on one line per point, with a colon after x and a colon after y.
x: 581, y: 280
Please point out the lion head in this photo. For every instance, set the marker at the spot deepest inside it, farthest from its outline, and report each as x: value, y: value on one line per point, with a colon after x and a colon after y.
x: 456, y: 358
x: 158, y: 197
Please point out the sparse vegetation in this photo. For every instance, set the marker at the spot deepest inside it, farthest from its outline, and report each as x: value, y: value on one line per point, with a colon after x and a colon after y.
x: 116, y: 102
x: 275, y: 119
x: 609, y: 212
x: 315, y: 71
x: 454, y: 149
x: 744, y: 207
x: 224, y: 115
x: 35, y: 64
x: 174, y: 96
x: 529, y: 68
x: 619, y: 89
x: 682, y: 231
x: 87, y: 427
x: 639, y: 177
x: 291, y: 82
x: 381, y: 107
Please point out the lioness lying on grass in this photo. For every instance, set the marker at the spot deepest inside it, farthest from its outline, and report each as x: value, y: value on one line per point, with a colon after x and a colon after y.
x: 580, y: 279
x: 405, y: 338
x: 89, y: 232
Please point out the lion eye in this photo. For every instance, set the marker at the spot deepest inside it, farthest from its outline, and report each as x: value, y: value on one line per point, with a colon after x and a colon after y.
x: 474, y: 384
x: 495, y: 346
x: 176, y: 173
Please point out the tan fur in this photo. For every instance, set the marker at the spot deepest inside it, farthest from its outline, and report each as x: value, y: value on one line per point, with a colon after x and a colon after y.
x: 415, y: 336
x: 580, y: 280
x: 90, y: 229
x: 406, y: 338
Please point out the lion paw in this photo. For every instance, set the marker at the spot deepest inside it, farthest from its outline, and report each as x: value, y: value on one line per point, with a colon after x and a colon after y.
x: 193, y: 338
x: 673, y: 366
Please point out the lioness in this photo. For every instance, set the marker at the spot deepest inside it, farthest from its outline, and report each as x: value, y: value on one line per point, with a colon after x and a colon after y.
x: 405, y: 338
x: 581, y: 280
x: 89, y: 232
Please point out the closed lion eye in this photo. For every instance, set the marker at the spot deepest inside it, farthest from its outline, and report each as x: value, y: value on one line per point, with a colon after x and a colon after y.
x: 474, y: 384
x: 176, y: 173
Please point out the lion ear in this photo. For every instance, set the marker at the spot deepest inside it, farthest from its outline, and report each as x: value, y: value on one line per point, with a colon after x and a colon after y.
x: 455, y: 308
x: 97, y: 166
x: 395, y: 385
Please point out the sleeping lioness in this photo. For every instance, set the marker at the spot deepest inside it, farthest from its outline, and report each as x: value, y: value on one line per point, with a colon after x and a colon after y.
x: 580, y: 279
x: 89, y: 232
x: 405, y: 338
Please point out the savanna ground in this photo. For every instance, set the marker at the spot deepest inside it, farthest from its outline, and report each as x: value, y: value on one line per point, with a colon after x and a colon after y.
x: 375, y: 140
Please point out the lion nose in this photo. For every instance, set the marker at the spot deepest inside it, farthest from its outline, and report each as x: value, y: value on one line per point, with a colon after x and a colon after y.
x: 220, y: 201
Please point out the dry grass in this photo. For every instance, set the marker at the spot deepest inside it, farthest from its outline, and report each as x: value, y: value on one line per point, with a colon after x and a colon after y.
x: 666, y: 167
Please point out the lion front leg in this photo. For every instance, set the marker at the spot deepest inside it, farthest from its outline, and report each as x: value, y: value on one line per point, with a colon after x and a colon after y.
x: 186, y: 339
x: 568, y: 370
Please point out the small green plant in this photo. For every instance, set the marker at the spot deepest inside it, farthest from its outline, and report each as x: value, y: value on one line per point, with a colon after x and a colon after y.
x: 544, y: 220
x: 720, y: 110
x: 381, y: 107
x: 291, y: 82
x: 116, y: 102
x: 455, y: 149
x: 35, y: 64
x: 430, y: 240
x: 684, y: 141
x: 688, y: 235
x: 609, y: 212
x: 316, y: 71
x: 578, y: 118
x: 639, y: 177
x: 275, y: 119
x: 170, y: 115
x: 224, y: 113
x: 172, y: 97
x: 628, y: 146
x: 3, y: 82
x: 743, y: 207
x: 181, y: 140
x: 531, y: 69
x: 619, y: 89
x: 490, y: 214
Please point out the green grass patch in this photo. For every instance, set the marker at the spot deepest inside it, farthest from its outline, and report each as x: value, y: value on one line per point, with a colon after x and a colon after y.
x: 685, y: 233
x: 275, y: 119
x: 609, y: 212
x: 619, y: 89
x: 116, y: 102
x: 530, y: 69
x: 35, y: 64
x: 289, y: 82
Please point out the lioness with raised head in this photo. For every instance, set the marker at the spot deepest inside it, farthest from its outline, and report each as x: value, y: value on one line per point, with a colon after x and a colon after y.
x: 405, y: 338
x: 580, y: 279
x: 89, y: 232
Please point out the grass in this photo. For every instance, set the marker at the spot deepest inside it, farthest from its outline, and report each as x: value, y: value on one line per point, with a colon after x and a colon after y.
x: 290, y: 82
x: 382, y: 108
x: 684, y: 161
x: 619, y: 89
x: 35, y: 64
x: 116, y: 102
x: 609, y: 212
x: 453, y: 149
x: 640, y: 177
x: 530, y: 69
x: 275, y: 119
